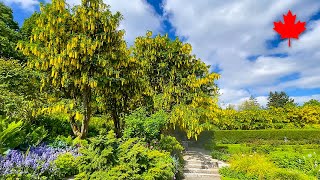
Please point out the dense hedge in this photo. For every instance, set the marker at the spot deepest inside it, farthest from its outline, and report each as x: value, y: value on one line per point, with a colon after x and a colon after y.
x: 242, y: 136
x: 289, y: 117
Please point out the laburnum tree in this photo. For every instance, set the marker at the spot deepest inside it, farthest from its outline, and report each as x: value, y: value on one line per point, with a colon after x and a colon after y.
x: 177, y: 82
x: 80, y: 51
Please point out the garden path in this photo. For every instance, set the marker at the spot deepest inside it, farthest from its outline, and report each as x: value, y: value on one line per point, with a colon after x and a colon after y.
x: 199, y: 165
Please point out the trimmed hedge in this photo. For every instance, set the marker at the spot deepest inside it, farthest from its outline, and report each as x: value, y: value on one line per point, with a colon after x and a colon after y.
x: 245, y: 136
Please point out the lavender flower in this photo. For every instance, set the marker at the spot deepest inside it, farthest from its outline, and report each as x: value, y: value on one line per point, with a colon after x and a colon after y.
x: 37, y: 162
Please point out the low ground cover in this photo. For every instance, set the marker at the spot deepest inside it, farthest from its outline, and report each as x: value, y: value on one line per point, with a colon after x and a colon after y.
x: 293, y: 157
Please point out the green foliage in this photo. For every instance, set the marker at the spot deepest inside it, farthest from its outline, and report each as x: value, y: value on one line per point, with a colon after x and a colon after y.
x: 259, y: 166
x: 62, y: 142
x: 138, y: 162
x: 251, y: 104
x: 275, y: 118
x: 66, y: 164
x: 99, y: 154
x: 28, y: 25
x: 279, y: 99
x: 79, y: 50
x: 312, y: 102
x: 18, y: 90
x: 220, y: 155
x: 56, y: 126
x: 19, y: 135
x: 230, y: 174
x: 100, y: 124
x: 10, y: 135
x: 177, y: 81
x: 107, y: 158
x: 9, y: 34
x: 285, y: 174
x: 33, y: 135
x: 148, y: 127
x: 240, y: 136
x: 170, y: 144
x: 293, y: 160
x: 253, y: 165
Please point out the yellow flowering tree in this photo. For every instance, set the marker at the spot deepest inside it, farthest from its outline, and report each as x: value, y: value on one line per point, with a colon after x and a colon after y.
x: 80, y: 50
x: 178, y: 82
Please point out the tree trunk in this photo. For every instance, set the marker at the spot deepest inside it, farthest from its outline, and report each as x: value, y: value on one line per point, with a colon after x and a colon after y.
x: 116, y: 122
x: 74, y: 126
x: 87, y: 112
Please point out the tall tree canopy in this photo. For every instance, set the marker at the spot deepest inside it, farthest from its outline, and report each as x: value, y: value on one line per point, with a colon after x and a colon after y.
x: 28, y: 25
x: 80, y: 50
x: 278, y: 99
x: 312, y: 102
x: 178, y: 82
x: 9, y: 34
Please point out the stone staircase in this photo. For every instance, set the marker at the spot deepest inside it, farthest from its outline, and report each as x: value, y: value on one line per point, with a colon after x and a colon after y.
x: 199, y: 165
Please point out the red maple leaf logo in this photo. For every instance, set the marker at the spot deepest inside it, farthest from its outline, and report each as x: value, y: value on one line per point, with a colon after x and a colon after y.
x: 289, y: 29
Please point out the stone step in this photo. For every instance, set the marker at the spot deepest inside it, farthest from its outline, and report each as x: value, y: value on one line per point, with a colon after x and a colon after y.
x: 199, y: 165
x: 202, y: 178
x: 199, y: 159
x: 197, y: 154
x: 196, y: 165
x: 209, y: 164
x: 202, y: 165
x: 201, y: 171
x: 197, y: 176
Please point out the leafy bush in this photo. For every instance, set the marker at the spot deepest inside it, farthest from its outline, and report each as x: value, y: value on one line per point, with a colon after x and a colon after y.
x: 253, y: 165
x: 62, y: 142
x: 285, y: 174
x: 293, y: 160
x: 66, y: 165
x: 18, y: 90
x: 228, y: 173
x: 243, y: 136
x: 10, y: 135
x: 99, y: 124
x: 140, y: 124
x: 56, y: 125
x: 277, y: 118
x: 106, y: 157
x: 99, y: 154
x: 257, y: 166
x: 170, y: 144
x: 216, y: 154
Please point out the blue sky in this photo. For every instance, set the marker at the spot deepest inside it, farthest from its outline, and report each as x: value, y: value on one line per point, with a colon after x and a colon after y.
x: 235, y: 37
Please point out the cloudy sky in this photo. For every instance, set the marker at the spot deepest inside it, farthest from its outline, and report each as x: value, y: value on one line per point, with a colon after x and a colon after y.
x: 235, y: 37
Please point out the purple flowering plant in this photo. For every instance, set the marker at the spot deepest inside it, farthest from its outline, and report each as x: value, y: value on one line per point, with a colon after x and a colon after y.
x: 35, y: 163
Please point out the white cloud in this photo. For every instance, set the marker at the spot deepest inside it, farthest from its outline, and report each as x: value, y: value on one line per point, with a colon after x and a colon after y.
x: 262, y: 100
x: 301, y: 99
x: 227, y: 32
x: 28, y: 5
x: 232, y: 95
x: 139, y: 17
